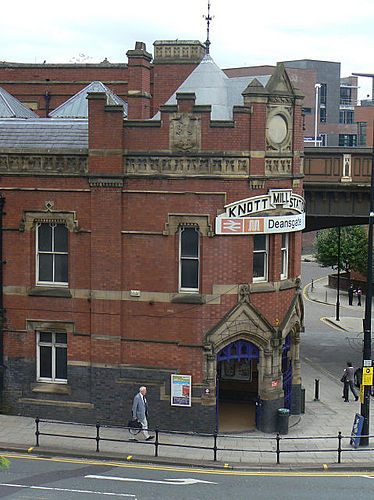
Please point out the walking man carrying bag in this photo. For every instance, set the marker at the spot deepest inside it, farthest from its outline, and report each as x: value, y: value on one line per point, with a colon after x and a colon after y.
x: 140, y: 411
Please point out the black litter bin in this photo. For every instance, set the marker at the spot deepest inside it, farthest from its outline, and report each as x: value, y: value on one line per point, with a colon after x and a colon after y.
x: 283, y: 418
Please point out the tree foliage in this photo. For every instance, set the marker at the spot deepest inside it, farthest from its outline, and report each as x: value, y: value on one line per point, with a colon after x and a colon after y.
x: 4, y: 463
x: 353, y: 248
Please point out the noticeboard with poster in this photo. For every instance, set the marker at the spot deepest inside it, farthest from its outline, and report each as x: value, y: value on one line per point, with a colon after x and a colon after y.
x: 180, y: 393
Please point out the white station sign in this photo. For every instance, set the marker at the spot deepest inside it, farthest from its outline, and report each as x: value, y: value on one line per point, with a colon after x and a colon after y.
x: 239, y: 216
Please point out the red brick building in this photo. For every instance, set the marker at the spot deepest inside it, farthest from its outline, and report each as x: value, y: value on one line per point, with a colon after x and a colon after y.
x: 153, y: 237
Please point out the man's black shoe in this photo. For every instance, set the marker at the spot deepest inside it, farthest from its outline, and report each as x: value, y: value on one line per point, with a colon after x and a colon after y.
x: 356, y: 398
x: 149, y: 438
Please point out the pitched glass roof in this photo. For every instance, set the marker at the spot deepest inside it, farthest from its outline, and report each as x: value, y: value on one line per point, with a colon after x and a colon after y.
x: 77, y: 106
x: 10, y: 107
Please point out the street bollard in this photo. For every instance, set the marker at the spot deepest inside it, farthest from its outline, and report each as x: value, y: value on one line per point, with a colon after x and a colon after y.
x: 316, y: 389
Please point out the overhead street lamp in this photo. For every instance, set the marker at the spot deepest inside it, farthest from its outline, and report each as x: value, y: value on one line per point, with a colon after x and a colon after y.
x: 317, y: 86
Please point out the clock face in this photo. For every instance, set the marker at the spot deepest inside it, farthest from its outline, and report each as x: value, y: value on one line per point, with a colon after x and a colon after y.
x: 277, y: 129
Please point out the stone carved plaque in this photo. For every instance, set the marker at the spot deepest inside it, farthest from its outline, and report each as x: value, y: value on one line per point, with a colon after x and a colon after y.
x: 185, y: 132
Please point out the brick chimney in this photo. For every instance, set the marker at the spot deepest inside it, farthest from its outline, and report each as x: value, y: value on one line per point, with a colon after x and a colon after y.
x: 105, y: 135
x: 139, y: 82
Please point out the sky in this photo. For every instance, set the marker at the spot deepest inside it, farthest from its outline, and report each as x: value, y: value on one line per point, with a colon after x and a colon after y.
x: 242, y: 33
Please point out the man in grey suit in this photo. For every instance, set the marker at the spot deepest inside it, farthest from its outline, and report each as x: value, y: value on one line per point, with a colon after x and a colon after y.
x: 140, y: 411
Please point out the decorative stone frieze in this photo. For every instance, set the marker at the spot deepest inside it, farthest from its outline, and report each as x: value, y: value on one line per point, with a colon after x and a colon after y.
x: 178, y: 50
x: 51, y: 164
x: 278, y: 165
x: 180, y: 166
x: 281, y: 100
x: 256, y: 184
x: 107, y: 182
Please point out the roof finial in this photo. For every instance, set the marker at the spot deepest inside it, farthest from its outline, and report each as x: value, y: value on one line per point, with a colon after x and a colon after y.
x: 207, y: 18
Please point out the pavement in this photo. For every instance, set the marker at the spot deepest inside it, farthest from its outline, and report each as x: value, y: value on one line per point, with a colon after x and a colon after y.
x: 311, y: 441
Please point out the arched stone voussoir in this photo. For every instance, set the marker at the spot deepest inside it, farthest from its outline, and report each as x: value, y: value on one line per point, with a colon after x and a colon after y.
x: 245, y: 322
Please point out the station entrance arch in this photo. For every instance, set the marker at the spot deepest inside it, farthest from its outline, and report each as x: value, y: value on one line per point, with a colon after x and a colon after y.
x: 237, y: 386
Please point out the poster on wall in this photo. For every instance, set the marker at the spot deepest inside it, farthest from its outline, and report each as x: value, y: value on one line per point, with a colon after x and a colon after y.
x: 180, y: 390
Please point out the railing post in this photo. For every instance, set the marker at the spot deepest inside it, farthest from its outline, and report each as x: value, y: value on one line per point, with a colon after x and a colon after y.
x: 316, y: 389
x: 37, y: 431
x: 339, y: 447
x: 156, y: 443
x: 97, y: 436
x: 278, y: 438
x: 215, y: 446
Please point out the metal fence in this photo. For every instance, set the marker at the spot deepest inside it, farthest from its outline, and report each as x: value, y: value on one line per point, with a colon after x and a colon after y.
x: 221, y: 445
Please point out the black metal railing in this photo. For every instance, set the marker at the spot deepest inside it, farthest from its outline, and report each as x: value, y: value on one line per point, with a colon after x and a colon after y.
x: 276, y: 445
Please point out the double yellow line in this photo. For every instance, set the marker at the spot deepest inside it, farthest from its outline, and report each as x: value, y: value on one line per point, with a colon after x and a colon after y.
x: 230, y: 472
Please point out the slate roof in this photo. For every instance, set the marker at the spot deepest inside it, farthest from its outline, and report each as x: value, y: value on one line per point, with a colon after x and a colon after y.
x: 77, y: 106
x: 213, y: 87
x: 10, y: 107
x: 44, y: 133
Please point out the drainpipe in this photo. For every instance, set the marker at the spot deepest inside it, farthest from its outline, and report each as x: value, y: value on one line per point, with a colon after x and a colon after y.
x: 47, y: 98
x: 317, y: 86
x: 2, y: 312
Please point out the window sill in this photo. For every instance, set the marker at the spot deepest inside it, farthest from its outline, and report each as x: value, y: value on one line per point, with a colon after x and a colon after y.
x: 287, y: 283
x: 50, y: 388
x: 49, y: 291
x: 262, y: 286
x: 188, y: 298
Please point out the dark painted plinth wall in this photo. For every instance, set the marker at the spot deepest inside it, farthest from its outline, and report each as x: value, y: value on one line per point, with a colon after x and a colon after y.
x: 109, y: 391
x: 108, y: 394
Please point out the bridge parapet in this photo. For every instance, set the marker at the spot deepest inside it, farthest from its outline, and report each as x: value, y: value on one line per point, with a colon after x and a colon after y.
x: 337, y: 165
x: 336, y: 186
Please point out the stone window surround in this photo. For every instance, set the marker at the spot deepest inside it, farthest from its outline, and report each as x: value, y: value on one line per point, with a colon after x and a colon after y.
x: 33, y: 326
x: 172, y: 227
x: 29, y: 222
x: 33, y: 217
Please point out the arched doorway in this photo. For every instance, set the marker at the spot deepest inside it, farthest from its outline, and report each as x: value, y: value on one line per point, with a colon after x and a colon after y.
x: 237, y: 386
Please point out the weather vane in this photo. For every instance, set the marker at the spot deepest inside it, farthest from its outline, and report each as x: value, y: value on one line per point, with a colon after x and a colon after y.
x: 207, y: 18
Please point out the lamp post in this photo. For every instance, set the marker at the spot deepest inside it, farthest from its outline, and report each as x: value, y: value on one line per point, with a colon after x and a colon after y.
x: 317, y: 86
x: 337, y: 317
x: 365, y: 405
x: 2, y: 312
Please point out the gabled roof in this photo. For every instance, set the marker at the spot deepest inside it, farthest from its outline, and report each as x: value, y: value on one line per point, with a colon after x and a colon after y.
x: 77, y: 106
x: 213, y: 87
x: 10, y: 107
